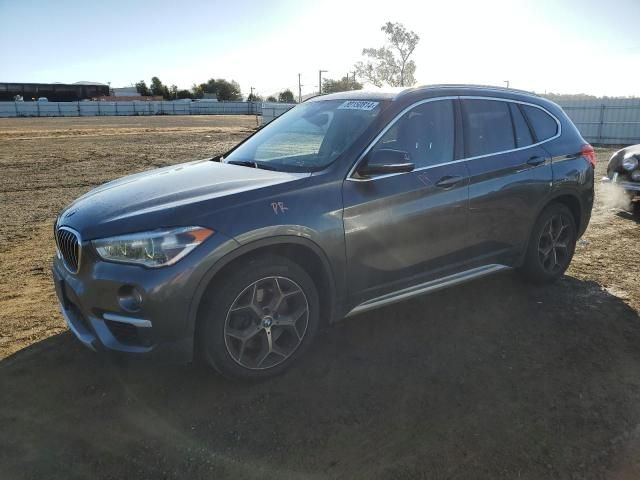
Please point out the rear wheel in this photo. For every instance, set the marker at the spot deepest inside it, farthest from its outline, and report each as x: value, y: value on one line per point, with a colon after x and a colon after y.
x: 551, y: 245
x: 261, y: 320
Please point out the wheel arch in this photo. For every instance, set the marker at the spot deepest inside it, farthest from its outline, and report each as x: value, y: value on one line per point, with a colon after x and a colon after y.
x: 570, y: 200
x: 303, y: 251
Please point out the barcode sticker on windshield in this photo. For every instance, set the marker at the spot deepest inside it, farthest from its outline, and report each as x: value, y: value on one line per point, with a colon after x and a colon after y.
x: 358, y: 105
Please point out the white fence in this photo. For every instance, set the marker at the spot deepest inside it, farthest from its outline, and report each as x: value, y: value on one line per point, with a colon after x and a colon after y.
x: 610, y: 121
x: 273, y: 110
x: 92, y: 109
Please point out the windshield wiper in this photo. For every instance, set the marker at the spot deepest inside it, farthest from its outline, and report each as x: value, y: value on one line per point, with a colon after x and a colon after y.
x: 251, y: 163
x: 244, y: 163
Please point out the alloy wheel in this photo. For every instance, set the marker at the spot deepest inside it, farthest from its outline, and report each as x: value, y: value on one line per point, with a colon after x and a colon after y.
x: 554, y: 246
x: 266, y: 322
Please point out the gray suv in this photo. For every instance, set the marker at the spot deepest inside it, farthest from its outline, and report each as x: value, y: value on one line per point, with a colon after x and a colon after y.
x: 346, y: 203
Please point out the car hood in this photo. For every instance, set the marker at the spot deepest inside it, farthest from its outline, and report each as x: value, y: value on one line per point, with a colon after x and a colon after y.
x: 163, y: 197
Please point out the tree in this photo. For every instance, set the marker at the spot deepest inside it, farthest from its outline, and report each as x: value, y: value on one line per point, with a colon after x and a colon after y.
x: 173, y: 91
x: 228, y: 90
x: 254, y: 98
x: 184, y: 94
x: 390, y: 64
x: 286, y: 96
x: 142, y: 89
x: 158, y: 89
x: 197, y: 91
x: 271, y: 98
x: 221, y: 88
x: 343, y: 85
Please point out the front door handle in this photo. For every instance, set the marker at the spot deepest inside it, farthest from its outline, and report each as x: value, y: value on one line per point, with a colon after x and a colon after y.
x: 449, y: 181
x: 536, y: 161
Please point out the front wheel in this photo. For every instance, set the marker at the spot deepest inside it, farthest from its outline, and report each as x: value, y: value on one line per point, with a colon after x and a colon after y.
x: 260, y: 320
x: 551, y: 246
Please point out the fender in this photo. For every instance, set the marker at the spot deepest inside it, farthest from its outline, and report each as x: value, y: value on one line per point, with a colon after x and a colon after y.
x: 249, y: 247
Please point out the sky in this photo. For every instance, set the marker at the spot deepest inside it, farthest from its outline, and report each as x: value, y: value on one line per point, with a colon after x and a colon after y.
x: 563, y: 46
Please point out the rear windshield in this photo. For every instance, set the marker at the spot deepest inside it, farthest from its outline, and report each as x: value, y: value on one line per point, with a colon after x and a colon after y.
x: 308, y: 137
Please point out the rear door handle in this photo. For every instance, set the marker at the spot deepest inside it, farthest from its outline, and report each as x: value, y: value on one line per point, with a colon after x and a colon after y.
x: 449, y: 181
x: 536, y: 160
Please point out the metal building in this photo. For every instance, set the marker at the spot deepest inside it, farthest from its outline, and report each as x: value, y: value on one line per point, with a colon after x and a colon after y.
x: 54, y: 92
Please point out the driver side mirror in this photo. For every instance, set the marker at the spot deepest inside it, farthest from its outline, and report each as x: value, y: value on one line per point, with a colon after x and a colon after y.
x: 385, y: 161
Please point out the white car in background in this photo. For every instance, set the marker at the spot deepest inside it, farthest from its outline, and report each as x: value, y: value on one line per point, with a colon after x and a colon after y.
x: 623, y: 170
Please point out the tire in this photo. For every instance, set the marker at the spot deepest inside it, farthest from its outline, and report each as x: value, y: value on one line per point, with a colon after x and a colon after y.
x: 551, y: 246
x: 259, y: 320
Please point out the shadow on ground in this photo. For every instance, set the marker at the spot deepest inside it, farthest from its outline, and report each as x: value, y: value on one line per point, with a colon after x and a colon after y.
x: 495, y: 379
x: 633, y: 215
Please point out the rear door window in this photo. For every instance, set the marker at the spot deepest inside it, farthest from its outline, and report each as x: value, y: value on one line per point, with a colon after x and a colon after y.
x: 544, y: 126
x: 487, y: 127
x: 520, y: 127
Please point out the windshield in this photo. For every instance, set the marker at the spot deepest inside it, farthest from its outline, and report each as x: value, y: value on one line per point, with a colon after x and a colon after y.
x: 308, y: 137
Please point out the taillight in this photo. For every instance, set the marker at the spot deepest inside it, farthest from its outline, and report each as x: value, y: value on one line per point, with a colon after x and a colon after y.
x: 590, y: 154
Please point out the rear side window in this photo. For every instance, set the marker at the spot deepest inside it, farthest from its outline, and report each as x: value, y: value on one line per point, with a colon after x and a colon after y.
x: 520, y: 127
x: 487, y: 127
x: 544, y: 126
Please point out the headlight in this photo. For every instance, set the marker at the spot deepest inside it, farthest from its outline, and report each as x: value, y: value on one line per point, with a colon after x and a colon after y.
x: 629, y: 163
x: 152, y: 249
x: 635, y: 176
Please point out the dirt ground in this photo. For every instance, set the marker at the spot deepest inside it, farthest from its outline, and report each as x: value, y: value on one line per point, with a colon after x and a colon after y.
x: 493, y: 379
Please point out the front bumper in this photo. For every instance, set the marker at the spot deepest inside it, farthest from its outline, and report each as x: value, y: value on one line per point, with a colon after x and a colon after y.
x: 110, y: 331
x: 628, y: 186
x: 162, y: 326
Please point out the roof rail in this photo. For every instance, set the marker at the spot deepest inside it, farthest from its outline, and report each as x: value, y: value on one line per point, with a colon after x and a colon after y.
x: 473, y: 86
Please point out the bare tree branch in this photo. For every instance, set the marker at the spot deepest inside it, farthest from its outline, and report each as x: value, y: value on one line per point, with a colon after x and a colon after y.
x: 390, y: 64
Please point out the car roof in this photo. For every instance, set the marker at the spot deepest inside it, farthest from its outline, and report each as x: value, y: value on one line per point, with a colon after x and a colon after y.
x: 397, y: 93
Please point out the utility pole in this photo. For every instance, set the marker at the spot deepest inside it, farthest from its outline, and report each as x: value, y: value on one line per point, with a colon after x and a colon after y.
x: 320, y: 72
x: 299, y: 90
x: 507, y: 82
x: 251, y: 109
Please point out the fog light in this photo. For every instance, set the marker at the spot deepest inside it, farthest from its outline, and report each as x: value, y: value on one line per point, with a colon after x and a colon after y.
x: 129, y: 298
x: 635, y: 175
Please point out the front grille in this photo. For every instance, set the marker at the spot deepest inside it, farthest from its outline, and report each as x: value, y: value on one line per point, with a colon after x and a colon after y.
x: 68, y: 243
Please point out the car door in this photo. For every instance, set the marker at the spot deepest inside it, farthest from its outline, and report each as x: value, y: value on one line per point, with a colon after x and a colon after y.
x: 509, y: 175
x: 406, y: 228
